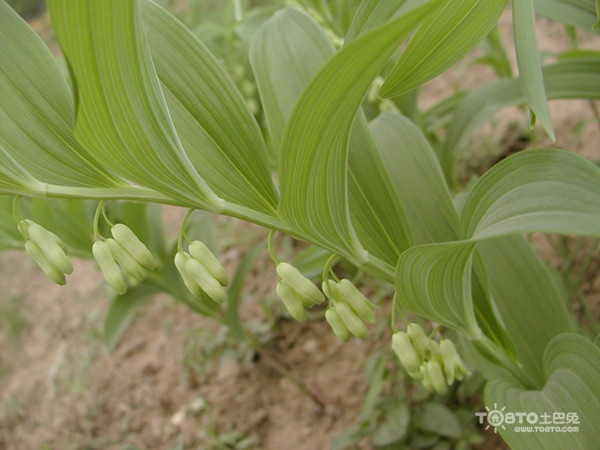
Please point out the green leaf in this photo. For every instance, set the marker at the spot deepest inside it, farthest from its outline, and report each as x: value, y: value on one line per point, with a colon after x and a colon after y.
x: 371, y: 14
x: 234, y: 292
x: 122, y: 310
x: 121, y: 116
x: 577, y: 13
x: 439, y: 419
x: 484, y: 305
x: 530, y: 64
x: 288, y: 51
x: 522, y: 285
x: 376, y: 377
x: 213, y: 122
x: 443, y: 39
x: 536, y: 190
x: 394, y: 428
x: 37, y: 143
x: 376, y: 210
x: 572, y: 369
x: 349, y: 437
x: 434, y: 281
x: 548, y: 190
x: 313, y: 166
x: 14, y: 179
x: 448, y: 284
x: 495, y: 55
x: 417, y: 177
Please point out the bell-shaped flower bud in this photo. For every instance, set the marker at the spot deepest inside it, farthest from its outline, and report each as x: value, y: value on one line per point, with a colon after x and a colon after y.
x: 404, y: 350
x: 201, y: 276
x: 454, y: 367
x: 373, y: 93
x: 130, y: 267
x: 337, y: 325
x: 306, y: 290
x: 345, y: 291
x: 351, y: 320
x: 23, y: 225
x: 421, y: 342
x: 50, y: 244
x: 437, y: 365
x: 131, y: 281
x: 132, y: 244
x: 51, y: 271
x: 436, y: 376
x: 329, y: 293
x: 291, y: 300
x: 180, y: 259
x: 425, y: 378
x: 202, y: 253
x: 109, y: 267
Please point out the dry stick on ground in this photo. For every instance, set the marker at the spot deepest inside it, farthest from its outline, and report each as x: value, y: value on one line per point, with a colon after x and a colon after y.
x: 271, y: 361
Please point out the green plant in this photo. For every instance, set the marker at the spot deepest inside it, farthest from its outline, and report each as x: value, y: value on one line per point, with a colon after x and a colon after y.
x: 397, y: 413
x: 149, y: 115
x: 12, y: 321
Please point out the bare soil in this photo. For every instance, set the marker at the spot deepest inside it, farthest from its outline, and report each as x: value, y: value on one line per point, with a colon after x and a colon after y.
x: 172, y: 376
x: 62, y: 389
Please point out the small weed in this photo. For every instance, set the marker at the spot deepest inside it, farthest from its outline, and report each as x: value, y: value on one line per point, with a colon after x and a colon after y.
x: 205, y: 347
x: 399, y: 413
x: 12, y: 320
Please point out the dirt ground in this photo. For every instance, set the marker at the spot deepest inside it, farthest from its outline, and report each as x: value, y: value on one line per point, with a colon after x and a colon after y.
x: 173, y: 376
x: 62, y: 388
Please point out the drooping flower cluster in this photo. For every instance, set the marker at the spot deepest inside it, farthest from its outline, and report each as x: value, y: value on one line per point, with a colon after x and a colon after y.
x: 296, y: 291
x: 348, y: 309
x: 436, y: 365
x: 201, y: 271
x: 123, y: 259
x: 47, y: 250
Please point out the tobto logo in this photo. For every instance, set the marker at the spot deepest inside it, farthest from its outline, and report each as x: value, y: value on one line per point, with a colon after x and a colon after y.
x: 495, y: 417
x: 498, y: 417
